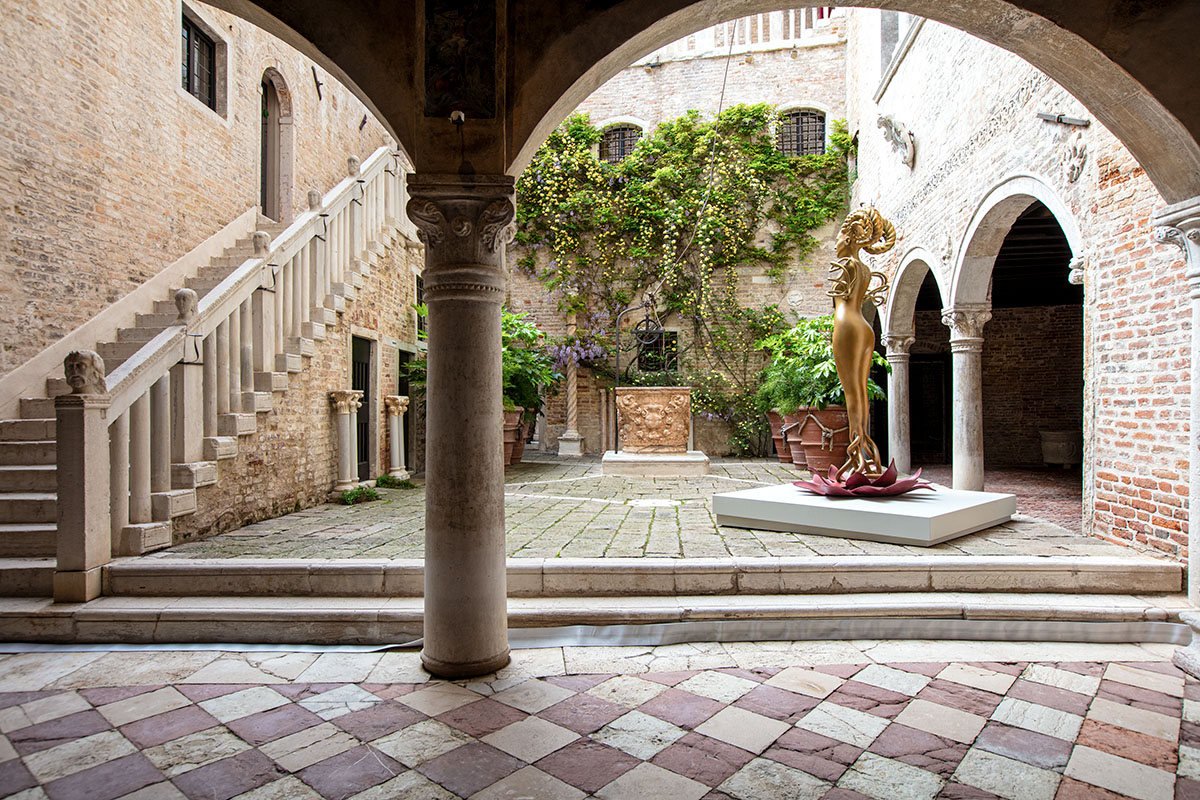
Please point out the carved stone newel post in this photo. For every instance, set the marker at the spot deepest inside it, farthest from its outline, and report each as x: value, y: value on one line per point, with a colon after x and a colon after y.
x: 396, y: 406
x: 966, y: 345
x: 899, y: 411
x: 346, y: 403
x: 463, y: 221
x: 84, y: 535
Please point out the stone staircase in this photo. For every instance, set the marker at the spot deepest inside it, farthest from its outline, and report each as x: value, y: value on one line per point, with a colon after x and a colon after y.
x: 29, y: 450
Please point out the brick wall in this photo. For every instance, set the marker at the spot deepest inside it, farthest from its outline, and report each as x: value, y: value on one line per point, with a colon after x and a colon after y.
x: 972, y: 109
x: 109, y: 171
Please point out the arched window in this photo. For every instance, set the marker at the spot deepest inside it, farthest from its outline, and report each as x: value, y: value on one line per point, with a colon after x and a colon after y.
x: 802, y: 133
x: 618, y: 141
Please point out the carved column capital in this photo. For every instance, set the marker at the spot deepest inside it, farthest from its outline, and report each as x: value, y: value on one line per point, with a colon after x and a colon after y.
x: 897, y: 345
x: 345, y: 400
x: 966, y: 327
x: 1179, y: 224
x: 396, y: 404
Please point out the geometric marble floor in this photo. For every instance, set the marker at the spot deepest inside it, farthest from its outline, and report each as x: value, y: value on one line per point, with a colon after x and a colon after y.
x: 830, y: 720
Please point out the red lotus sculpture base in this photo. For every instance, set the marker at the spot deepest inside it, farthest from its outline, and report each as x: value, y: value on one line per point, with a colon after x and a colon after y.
x: 889, y: 484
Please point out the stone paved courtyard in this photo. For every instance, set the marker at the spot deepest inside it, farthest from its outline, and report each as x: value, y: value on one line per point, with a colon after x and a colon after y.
x: 750, y: 721
x: 557, y: 508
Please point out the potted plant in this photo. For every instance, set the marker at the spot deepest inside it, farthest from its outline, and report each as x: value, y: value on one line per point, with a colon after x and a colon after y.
x: 801, y: 383
x: 528, y: 379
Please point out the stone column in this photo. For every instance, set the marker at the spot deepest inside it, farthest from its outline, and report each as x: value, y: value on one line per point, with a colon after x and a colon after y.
x: 966, y: 343
x: 396, y: 406
x: 571, y: 442
x: 84, y: 535
x: 463, y: 221
x: 1179, y: 224
x: 899, y: 404
x: 345, y: 404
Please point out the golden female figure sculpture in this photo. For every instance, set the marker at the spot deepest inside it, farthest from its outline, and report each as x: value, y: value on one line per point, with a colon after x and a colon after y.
x: 853, y: 337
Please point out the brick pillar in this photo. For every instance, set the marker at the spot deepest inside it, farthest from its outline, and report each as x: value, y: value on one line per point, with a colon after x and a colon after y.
x: 463, y: 221
x: 1179, y: 224
x: 966, y: 344
x: 899, y: 411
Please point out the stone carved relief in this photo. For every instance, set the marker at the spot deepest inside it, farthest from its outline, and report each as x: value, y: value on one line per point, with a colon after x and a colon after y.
x: 966, y: 326
x: 186, y: 302
x: 494, y: 224
x: 84, y: 371
x: 1074, y: 158
x: 654, y: 419
x: 901, y: 139
x: 428, y: 219
x: 897, y: 345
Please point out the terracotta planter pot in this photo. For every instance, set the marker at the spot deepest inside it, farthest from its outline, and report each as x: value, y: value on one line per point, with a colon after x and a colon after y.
x: 781, y: 449
x: 512, y: 424
x: 794, y: 447
x: 822, y: 452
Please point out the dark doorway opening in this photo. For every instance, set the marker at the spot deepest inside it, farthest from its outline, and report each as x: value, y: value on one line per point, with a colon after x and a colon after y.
x: 269, y: 178
x: 929, y: 380
x: 360, y: 380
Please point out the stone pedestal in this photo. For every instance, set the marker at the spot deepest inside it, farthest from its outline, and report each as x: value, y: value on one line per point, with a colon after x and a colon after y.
x: 463, y: 221
x: 84, y: 525
x: 1188, y: 658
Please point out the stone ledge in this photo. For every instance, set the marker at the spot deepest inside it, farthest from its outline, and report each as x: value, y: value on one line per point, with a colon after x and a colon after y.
x: 655, y: 465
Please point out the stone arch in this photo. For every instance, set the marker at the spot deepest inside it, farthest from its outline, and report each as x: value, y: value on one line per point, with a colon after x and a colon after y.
x: 612, y: 122
x: 990, y: 223
x: 906, y: 285
x: 277, y: 171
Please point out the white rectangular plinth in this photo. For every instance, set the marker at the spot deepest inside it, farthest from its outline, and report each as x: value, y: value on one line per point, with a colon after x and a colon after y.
x: 921, y: 517
x: 655, y: 465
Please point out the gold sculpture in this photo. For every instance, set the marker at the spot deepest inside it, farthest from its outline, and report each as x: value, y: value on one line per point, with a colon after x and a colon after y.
x: 853, y: 337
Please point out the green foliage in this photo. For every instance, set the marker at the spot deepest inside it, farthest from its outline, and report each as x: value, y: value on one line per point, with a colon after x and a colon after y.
x: 802, y: 371
x: 386, y: 481
x: 528, y: 369
x: 359, y: 494
x: 680, y: 217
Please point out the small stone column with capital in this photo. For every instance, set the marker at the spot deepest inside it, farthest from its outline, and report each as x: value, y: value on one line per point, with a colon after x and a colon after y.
x: 346, y: 403
x: 464, y: 221
x: 396, y: 405
x: 84, y: 541
x: 571, y: 442
x: 899, y: 412
x: 1179, y: 224
x: 966, y: 344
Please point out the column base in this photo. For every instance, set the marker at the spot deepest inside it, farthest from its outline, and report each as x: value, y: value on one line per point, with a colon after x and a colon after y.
x: 570, y: 444
x: 345, y: 486
x: 77, y: 586
x: 470, y: 669
x: 400, y: 474
x: 1188, y: 658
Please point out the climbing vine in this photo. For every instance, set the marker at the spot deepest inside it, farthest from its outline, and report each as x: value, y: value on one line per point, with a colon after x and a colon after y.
x: 693, y: 205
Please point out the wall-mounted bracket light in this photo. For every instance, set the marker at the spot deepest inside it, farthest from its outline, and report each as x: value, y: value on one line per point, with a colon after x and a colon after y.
x: 1062, y: 119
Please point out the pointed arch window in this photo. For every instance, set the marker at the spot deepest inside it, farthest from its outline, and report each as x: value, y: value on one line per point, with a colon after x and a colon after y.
x: 801, y: 133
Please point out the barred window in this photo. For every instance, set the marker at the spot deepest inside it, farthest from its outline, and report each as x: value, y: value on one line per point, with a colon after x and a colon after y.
x: 199, y: 64
x: 661, y: 355
x: 617, y: 142
x: 802, y: 133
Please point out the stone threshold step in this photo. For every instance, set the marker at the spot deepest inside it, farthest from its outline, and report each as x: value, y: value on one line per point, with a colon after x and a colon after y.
x: 562, y: 577
x: 1037, y: 617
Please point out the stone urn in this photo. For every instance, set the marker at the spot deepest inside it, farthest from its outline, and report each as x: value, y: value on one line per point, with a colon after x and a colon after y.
x: 825, y: 438
x: 792, y: 441
x: 654, y: 419
x: 518, y: 449
x: 781, y: 448
x: 512, y: 427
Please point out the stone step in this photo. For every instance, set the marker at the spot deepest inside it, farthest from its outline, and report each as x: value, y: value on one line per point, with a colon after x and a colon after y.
x: 391, y: 620
x: 56, y: 387
x: 258, y: 402
x: 335, y: 303
x: 140, y: 334
x: 218, y: 448
x: 27, y: 452
x: 288, y: 362
x: 27, y: 430
x: 143, y: 537
x: 27, y: 539
x: 201, y: 286
x: 175, y: 503
x: 666, y: 577
x: 300, y: 346
x: 158, y: 320
x: 117, y: 352
x: 28, y: 507
x: 37, y: 408
x: 242, y: 424
x: 270, y: 381
x: 28, y: 478
x: 166, y: 307
x: 26, y: 577
x: 193, y: 475
x: 323, y: 316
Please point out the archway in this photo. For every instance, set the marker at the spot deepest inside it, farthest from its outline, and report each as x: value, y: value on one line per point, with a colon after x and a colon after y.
x: 275, y: 154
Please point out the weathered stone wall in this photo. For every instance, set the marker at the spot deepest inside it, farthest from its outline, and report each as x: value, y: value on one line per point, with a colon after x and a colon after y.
x: 972, y: 109
x: 109, y: 171
x: 290, y: 461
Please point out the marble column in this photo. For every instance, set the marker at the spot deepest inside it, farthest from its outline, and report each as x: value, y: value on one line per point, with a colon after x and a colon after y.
x: 396, y: 406
x: 966, y: 344
x: 899, y: 404
x: 346, y: 403
x: 1179, y: 224
x: 571, y: 442
x: 464, y: 220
